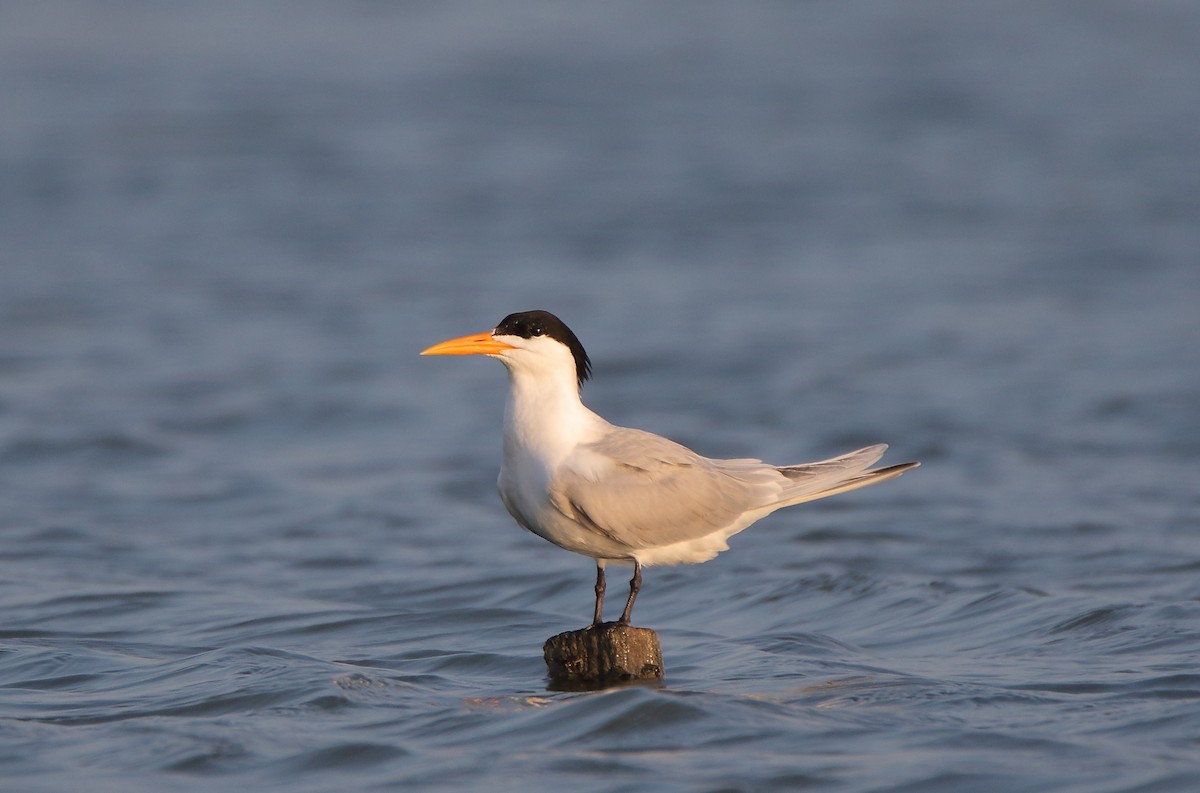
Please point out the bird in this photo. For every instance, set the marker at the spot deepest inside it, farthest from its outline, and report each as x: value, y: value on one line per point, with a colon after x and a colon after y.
x: 622, y: 495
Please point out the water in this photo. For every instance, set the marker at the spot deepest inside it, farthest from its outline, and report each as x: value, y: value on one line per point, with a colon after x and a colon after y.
x: 250, y: 540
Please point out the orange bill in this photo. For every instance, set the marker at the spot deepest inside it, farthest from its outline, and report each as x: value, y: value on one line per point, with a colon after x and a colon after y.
x: 477, y: 344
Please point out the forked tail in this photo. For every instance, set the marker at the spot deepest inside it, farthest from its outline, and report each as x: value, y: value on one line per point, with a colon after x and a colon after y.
x: 811, y: 481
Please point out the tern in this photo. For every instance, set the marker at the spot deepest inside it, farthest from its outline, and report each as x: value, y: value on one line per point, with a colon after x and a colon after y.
x: 624, y: 495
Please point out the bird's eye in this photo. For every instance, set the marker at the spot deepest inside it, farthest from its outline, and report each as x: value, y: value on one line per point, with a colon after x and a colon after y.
x: 536, y: 330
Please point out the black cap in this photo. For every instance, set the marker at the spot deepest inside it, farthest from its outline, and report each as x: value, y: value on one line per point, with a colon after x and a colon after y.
x: 528, y: 324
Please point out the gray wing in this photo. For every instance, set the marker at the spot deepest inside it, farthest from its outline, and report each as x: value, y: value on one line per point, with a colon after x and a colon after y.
x: 644, y: 491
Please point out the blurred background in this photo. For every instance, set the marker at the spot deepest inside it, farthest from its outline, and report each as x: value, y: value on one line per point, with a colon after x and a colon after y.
x: 781, y: 230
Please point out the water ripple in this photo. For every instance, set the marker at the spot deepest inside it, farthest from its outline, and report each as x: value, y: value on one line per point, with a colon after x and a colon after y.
x: 250, y: 540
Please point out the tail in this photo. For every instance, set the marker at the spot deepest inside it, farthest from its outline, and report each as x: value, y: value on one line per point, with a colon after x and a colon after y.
x: 810, y: 481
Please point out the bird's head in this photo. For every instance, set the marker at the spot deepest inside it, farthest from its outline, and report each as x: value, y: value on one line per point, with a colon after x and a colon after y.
x: 534, y: 342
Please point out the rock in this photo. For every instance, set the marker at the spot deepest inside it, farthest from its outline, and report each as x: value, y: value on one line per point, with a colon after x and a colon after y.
x: 603, y: 655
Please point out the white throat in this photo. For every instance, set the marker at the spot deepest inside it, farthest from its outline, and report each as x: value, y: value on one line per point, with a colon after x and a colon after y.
x: 545, y: 417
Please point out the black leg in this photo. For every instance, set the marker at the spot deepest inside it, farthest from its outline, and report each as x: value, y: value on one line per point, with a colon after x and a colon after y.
x: 635, y: 584
x: 599, y: 594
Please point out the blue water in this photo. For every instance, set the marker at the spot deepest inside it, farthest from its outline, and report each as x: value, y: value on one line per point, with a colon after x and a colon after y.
x: 249, y: 540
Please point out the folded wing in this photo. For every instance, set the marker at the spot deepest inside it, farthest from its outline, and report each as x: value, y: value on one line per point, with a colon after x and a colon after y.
x: 644, y: 491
